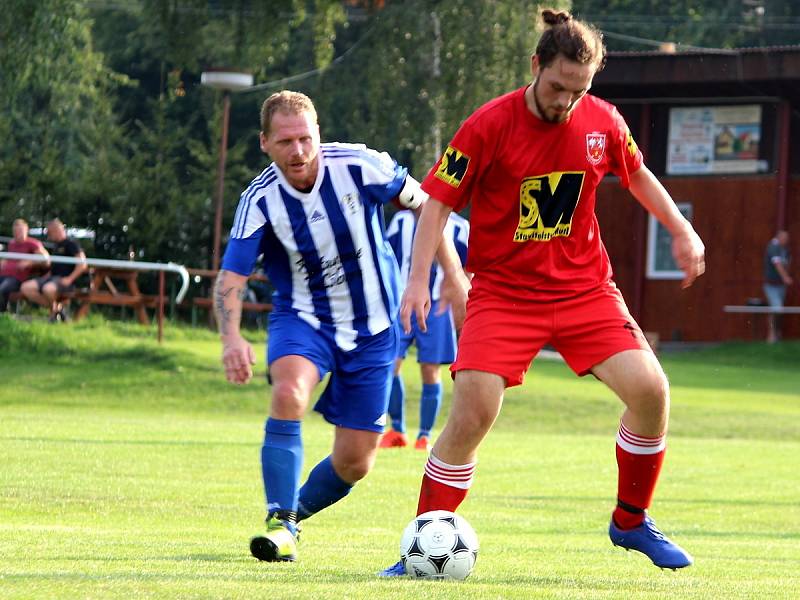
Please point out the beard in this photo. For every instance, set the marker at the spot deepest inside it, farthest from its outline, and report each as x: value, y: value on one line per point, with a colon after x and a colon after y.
x: 556, y: 118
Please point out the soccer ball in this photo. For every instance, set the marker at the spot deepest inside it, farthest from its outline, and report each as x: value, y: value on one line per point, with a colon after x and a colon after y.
x: 439, y: 545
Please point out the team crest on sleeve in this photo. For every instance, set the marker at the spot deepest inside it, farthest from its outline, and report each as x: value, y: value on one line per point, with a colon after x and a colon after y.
x: 595, y: 147
x: 630, y: 143
x: 452, y: 167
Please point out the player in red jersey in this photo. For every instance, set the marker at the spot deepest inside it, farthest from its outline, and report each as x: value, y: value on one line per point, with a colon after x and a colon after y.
x: 530, y: 162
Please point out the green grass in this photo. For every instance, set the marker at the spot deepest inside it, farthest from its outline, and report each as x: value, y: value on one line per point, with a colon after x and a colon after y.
x: 131, y: 470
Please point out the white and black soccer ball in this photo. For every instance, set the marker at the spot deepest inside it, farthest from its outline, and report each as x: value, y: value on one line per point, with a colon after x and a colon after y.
x: 439, y: 545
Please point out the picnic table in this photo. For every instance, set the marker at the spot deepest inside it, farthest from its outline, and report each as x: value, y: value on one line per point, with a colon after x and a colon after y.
x: 103, y: 290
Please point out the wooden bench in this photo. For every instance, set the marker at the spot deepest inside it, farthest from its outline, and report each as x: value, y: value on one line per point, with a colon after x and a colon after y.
x: 18, y: 298
x: 103, y: 291
x: 246, y: 306
x: 208, y: 302
x: 759, y: 309
x: 85, y: 298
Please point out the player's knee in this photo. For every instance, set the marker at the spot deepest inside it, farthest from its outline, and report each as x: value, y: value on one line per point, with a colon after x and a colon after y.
x: 477, y: 419
x: 658, y: 387
x: 652, y: 394
x: 288, y: 400
x: 431, y: 373
x: 353, y: 468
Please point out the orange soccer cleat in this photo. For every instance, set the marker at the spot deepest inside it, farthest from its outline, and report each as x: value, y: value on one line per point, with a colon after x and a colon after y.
x: 393, y: 439
x: 423, y: 443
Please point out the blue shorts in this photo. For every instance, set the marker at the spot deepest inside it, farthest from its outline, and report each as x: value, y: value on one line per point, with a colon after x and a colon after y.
x: 357, y: 394
x: 437, y: 345
x: 775, y: 293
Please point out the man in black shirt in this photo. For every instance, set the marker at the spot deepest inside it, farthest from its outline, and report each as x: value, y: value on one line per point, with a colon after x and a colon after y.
x: 47, y: 290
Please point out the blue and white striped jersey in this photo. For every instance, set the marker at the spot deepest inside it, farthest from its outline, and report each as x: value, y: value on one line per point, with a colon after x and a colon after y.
x: 401, y: 235
x: 325, y: 251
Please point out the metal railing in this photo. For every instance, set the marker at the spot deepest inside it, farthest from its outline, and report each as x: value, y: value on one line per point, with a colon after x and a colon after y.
x: 122, y: 265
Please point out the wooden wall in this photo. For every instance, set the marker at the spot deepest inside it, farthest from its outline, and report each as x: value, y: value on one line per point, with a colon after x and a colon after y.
x: 735, y: 216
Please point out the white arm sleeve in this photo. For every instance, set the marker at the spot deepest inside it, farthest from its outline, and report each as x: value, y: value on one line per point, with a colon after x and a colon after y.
x: 411, y: 195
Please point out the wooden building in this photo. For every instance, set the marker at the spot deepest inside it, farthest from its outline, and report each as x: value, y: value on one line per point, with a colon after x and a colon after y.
x: 721, y: 130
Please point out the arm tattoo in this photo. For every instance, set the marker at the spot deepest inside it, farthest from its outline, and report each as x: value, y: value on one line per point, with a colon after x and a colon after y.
x: 221, y: 293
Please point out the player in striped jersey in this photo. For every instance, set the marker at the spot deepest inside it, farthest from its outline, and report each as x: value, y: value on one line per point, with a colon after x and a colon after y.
x: 316, y: 216
x: 435, y: 347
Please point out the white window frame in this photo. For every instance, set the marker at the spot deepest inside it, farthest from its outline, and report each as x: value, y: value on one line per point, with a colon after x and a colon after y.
x: 656, y: 231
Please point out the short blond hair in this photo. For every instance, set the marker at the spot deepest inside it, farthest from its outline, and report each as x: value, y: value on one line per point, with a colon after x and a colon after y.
x: 285, y: 101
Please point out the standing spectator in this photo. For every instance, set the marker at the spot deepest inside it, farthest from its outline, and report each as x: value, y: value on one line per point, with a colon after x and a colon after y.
x: 14, y: 272
x: 435, y: 347
x: 776, y: 280
x: 530, y: 163
x: 316, y: 215
x: 47, y: 290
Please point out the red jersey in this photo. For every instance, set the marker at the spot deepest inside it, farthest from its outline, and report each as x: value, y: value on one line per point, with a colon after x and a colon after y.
x: 533, y: 229
x: 11, y: 267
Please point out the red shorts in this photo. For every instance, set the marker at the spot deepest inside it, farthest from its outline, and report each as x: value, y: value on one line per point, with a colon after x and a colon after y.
x: 502, y: 336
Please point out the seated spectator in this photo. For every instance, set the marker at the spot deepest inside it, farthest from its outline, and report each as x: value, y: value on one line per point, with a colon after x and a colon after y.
x: 48, y: 290
x: 14, y: 272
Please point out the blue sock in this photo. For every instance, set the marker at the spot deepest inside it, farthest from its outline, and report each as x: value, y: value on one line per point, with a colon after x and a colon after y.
x: 429, y: 406
x: 397, y: 404
x: 281, y: 463
x: 322, y: 488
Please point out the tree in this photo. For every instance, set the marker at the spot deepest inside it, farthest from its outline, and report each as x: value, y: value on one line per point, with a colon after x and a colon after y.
x: 173, y: 125
x: 420, y: 68
x: 641, y: 24
x: 54, y: 108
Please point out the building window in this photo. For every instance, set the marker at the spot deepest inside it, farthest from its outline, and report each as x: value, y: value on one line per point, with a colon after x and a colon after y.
x: 660, y: 264
x: 708, y: 140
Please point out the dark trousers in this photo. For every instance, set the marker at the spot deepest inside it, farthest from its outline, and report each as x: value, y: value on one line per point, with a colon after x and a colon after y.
x: 7, y: 285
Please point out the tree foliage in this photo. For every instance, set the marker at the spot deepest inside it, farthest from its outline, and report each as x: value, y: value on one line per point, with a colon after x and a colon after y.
x: 55, y: 108
x: 420, y: 68
x: 642, y: 24
x: 103, y: 120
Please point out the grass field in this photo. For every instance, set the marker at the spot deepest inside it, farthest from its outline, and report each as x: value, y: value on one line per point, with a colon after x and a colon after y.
x: 130, y: 470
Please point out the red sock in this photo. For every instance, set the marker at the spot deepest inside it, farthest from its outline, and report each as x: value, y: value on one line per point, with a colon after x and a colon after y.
x: 639, y: 460
x: 444, y: 486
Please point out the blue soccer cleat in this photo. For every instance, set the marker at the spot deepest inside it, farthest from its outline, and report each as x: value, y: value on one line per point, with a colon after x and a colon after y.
x: 647, y: 539
x: 396, y: 570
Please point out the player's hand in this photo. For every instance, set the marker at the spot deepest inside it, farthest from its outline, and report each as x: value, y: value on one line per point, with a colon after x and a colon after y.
x: 455, y: 290
x: 416, y: 301
x: 689, y: 254
x: 238, y: 359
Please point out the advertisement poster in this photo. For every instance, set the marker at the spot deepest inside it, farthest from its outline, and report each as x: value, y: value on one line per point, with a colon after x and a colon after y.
x: 714, y: 139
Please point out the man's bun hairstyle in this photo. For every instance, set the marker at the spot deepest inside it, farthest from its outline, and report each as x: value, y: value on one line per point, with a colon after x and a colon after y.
x: 573, y: 39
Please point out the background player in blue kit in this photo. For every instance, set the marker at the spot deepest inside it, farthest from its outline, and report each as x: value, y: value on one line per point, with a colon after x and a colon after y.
x: 435, y: 347
x: 316, y: 215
